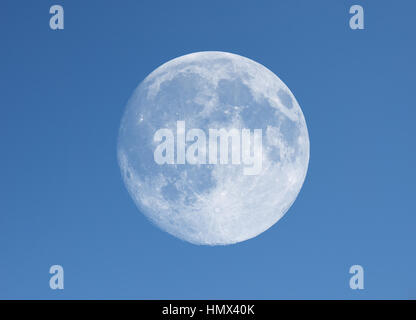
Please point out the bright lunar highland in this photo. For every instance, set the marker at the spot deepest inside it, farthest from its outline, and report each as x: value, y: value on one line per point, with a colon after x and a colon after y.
x: 213, y: 204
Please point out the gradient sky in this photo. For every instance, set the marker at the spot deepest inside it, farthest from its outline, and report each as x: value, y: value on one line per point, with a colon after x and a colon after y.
x: 62, y: 197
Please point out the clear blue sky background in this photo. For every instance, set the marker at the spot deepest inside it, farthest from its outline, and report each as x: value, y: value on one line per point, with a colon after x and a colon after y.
x: 62, y: 95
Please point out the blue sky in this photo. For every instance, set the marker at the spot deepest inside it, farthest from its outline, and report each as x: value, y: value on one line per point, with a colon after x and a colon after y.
x: 62, y: 197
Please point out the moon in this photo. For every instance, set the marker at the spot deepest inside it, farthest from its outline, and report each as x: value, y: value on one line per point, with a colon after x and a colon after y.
x: 213, y: 204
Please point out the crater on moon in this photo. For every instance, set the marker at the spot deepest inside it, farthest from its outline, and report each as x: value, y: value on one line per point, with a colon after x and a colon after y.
x: 214, y: 204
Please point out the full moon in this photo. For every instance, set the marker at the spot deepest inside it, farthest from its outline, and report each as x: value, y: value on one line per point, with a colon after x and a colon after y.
x: 213, y: 203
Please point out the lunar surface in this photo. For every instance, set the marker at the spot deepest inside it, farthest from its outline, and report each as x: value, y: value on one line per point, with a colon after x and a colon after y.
x: 213, y: 204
